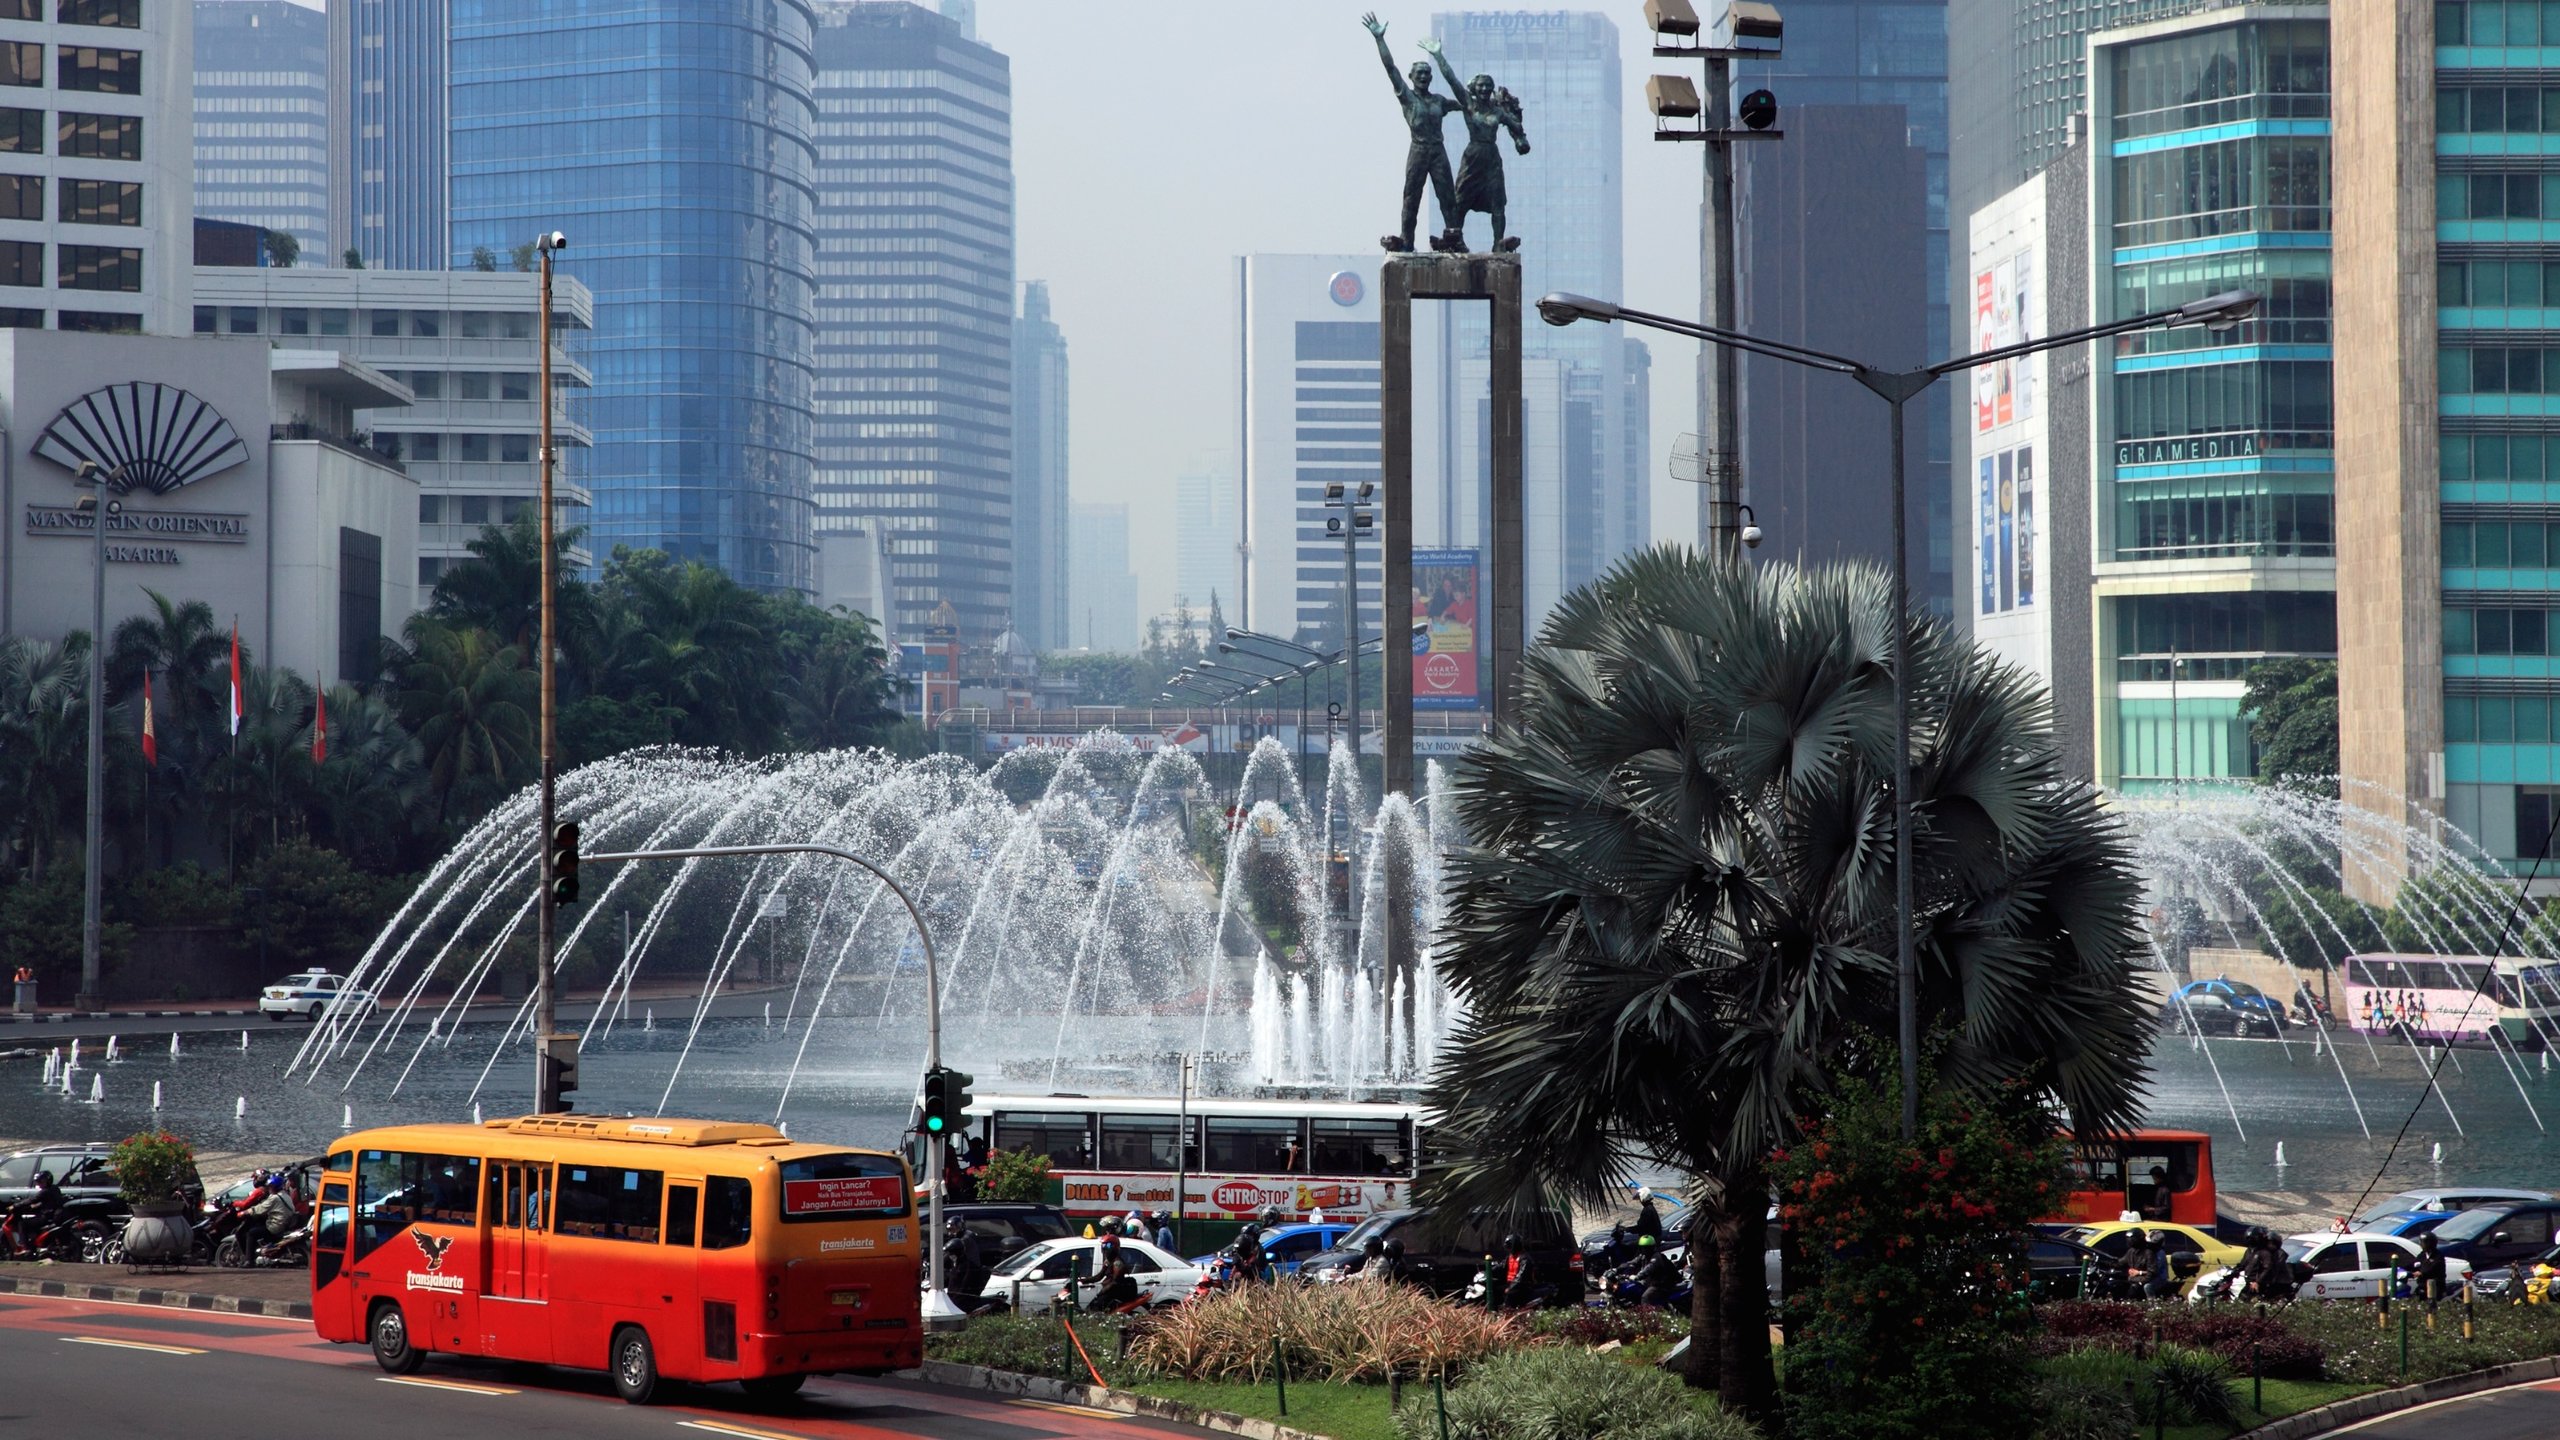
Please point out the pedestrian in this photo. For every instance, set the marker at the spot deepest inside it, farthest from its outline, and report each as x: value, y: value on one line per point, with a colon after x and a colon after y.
x: 2430, y: 1271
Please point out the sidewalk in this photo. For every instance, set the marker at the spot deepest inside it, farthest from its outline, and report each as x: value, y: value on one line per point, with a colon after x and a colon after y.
x: 282, y: 1293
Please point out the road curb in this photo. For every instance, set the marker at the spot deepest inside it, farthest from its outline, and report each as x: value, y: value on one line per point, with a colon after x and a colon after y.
x: 71, y: 1017
x: 146, y: 1295
x: 2358, y: 1408
x: 1122, y: 1402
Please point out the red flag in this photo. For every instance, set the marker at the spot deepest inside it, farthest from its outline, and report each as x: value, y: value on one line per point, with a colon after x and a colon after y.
x: 320, y: 731
x: 235, y: 679
x: 150, y: 740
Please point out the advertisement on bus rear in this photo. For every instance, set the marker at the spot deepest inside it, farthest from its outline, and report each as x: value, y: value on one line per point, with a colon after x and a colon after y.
x: 837, y: 1194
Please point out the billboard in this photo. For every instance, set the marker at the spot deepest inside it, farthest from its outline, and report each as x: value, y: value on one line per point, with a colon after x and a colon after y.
x: 1444, y: 649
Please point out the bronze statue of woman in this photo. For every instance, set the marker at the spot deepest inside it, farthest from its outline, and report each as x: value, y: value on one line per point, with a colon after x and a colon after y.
x: 1426, y: 157
x: 1488, y: 113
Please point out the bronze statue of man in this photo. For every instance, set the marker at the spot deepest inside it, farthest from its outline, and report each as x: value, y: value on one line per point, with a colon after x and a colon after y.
x: 1489, y: 112
x: 1427, y: 157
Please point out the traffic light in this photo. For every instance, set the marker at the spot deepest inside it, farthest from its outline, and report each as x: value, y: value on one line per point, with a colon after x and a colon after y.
x: 560, y: 1064
x: 1759, y: 110
x: 946, y: 1096
x: 564, y: 863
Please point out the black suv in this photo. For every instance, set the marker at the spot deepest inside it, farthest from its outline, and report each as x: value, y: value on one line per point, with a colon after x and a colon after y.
x: 81, y: 1171
x: 990, y: 1230
x: 1442, y: 1256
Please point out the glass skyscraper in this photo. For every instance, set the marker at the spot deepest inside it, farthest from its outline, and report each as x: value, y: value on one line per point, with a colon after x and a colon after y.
x: 388, y: 151
x: 915, y: 317
x: 262, y: 118
x: 670, y: 140
x: 1039, y: 472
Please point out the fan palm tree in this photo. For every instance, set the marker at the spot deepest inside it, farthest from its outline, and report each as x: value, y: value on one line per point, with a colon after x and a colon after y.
x: 1676, y: 919
x: 470, y: 701
x: 44, y: 737
x: 372, y: 782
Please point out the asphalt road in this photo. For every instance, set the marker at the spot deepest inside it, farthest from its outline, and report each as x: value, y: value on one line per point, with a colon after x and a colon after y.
x: 114, y: 1371
x: 18, y: 1033
x: 2525, y: 1412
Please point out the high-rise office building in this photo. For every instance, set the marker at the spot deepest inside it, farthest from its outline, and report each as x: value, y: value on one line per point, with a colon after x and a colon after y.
x: 1566, y: 203
x: 2448, y: 455
x: 262, y: 118
x: 1039, y: 472
x: 390, y: 151
x: 1102, y: 594
x: 1857, y: 53
x: 1307, y: 337
x: 1206, y: 530
x: 915, y: 323
x: 96, y: 194
x: 687, y: 205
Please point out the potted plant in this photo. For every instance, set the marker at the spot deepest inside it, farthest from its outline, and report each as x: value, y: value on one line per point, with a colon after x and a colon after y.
x: 155, y: 1170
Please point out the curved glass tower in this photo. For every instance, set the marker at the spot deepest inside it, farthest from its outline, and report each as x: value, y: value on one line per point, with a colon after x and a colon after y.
x: 671, y: 141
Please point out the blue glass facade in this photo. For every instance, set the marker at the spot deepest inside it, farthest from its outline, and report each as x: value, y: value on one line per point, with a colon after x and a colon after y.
x: 2216, y: 473
x: 262, y: 117
x: 388, y: 152
x: 671, y: 141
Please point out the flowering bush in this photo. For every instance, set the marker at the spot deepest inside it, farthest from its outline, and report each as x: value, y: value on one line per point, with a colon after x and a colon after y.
x: 154, y: 1167
x: 2282, y: 1352
x: 1014, y: 1175
x: 1910, y: 1264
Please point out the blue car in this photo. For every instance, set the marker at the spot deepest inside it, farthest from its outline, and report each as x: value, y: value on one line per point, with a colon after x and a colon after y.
x: 1290, y: 1245
x: 2221, y: 1006
x: 2407, y: 1224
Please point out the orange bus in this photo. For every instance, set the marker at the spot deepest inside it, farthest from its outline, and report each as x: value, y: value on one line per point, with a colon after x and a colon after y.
x: 2140, y: 1172
x: 647, y: 1248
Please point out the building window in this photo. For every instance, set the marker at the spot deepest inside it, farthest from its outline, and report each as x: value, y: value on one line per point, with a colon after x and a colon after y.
x: 99, y: 137
x: 426, y: 446
x: 471, y: 384
x: 425, y: 322
x: 205, y: 320
x: 386, y: 322
x: 21, y: 197
x: 472, y: 325
x: 111, y: 322
x: 515, y: 385
x: 21, y: 64
x: 2533, y: 820
x: 21, y: 262
x: 519, y: 327
x: 475, y: 509
x: 359, y: 603
x: 430, y: 509
x: 99, y: 267
x: 244, y: 319
x: 18, y: 317
x: 101, y: 202
x: 22, y: 131
x: 333, y: 322
x: 429, y: 571
x: 123, y: 14
x: 98, y: 70
x: 427, y: 384
x: 21, y: 9
x: 474, y: 447
x: 516, y: 448
x: 293, y: 322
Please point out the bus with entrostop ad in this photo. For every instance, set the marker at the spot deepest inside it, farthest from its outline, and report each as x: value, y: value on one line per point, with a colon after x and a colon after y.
x: 650, y: 1249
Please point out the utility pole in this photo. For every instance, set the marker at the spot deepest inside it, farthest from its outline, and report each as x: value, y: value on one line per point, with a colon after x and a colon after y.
x: 546, y: 1092
x: 101, y: 507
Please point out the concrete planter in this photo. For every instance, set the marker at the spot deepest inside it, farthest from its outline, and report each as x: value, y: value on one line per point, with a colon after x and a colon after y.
x: 157, y: 1235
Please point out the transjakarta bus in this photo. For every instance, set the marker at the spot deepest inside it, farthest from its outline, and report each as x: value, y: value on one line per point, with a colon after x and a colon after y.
x: 677, y: 1249
x: 1111, y: 1154
x: 2137, y: 1172
x: 2455, y: 998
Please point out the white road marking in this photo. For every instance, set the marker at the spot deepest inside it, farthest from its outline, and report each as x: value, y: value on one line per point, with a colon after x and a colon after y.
x: 131, y: 1345
x: 466, y: 1388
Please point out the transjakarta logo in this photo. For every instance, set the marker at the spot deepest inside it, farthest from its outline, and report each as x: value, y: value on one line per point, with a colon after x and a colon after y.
x: 433, y: 1248
x: 826, y: 1245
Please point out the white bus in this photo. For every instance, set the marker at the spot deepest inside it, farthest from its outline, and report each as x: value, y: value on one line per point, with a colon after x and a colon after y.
x: 1216, y: 1163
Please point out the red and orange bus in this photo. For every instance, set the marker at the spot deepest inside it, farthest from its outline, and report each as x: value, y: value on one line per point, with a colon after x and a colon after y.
x: 2137, y: 1173
x: 646, y: 1248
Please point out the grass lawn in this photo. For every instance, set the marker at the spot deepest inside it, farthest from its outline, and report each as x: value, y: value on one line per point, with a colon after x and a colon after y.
x: 2284, y: 1397
x: 1345, y: 1412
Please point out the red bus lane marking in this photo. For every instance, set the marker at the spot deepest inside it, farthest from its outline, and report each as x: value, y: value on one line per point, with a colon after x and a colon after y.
x: 232, y: 1334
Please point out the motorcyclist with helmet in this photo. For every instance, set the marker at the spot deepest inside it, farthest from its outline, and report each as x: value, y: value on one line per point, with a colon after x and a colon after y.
x: 31, y: 1217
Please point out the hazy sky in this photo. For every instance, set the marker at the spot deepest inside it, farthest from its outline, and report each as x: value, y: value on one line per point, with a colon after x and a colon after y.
x: 1155, y: 142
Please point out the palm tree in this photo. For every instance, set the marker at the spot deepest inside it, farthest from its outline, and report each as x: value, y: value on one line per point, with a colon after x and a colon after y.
x: 1676, y: 918
x: 499, y: 589
x: 44, y: 737
x: 266, y: 774
x: 470, y: 701
x: 188, y: 654
x: 372, y: 782
x: 842, y: 693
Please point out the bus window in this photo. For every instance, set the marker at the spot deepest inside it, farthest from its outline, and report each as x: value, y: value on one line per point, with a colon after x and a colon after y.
x: 1356, y: 1147
x: 1252, y: 1145
x: 395, y: 1190
x: 610, y: 1204
x: 727, y: 1205
x: 2103, y: 1167
x: 329, y: 1235
x: 1060, y: 1137
x: 842, y: 1187
x: 2156, y: 1170
x: 682, y: 1201
x: 1139, y: 1142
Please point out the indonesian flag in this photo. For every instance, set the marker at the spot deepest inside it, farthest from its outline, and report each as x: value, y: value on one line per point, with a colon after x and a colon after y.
x: 235, y: 679
x: 150, y: 739
x: 320, y: 730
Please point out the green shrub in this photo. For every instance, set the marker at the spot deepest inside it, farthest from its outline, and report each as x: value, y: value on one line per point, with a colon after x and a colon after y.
x: 2074, y: 1407
x: 2195, y: 1385
x: 1033, y: 1345
x: 1552, y: 1393
x: 1013, y: 1175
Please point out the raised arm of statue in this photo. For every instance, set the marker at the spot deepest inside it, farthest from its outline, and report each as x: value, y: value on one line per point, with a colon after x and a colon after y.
x: 1457, y: 88
x: 1378, y: 31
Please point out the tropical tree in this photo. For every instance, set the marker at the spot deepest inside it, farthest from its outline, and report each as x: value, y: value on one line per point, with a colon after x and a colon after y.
x: 44, y: 738
x: 2292, y: 707
x: 1678, y: 911
x: 471, y: 703
x: 371, y: 783
x: 842, y: 692
x: 500, y: 589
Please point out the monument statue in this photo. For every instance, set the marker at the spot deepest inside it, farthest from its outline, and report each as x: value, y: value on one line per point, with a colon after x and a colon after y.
x: 1427, y: 157
x: 1489, y: 111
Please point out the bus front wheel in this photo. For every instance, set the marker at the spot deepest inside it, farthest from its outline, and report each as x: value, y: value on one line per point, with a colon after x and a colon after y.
x: 635, y: 1365
x: 391, y: 1347
x: 772, y: 1389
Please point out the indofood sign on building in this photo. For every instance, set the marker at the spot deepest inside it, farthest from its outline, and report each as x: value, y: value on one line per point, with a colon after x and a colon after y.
x: 144, y: 438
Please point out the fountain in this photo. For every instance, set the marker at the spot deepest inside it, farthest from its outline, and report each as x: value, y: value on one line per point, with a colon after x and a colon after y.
x: 97, y: 1089
x: 112, y: 1057
x: 173, y: 1044
x: 155, y: 1094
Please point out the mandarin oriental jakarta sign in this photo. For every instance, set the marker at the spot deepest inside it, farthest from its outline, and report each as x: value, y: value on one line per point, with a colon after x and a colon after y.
x: 149, y: 438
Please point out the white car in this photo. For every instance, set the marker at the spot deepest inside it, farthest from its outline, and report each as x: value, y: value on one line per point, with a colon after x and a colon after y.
x: 2346, y: 1267
x: 310, y: 994
x: 1041, y: 1271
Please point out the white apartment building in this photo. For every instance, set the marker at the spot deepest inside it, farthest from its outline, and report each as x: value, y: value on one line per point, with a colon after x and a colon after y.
x: 97, y: 184
x: 463, y: 342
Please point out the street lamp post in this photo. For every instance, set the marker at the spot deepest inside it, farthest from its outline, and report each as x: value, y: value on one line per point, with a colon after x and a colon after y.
x: 1897, y: 387
x: 101, y: 509
x: 546, y: 1093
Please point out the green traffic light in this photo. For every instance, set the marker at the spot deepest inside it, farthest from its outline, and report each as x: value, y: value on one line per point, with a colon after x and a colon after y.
x: 933, y: 1123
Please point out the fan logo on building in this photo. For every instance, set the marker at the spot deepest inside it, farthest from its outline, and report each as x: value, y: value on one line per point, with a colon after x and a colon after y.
x: 144, y: 438
x: 1346, y: 289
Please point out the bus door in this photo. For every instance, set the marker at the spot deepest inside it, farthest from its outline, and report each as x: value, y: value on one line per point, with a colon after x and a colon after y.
x: 514, y: 1321
x: 333, y: 1294
x: 680, y: 1331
